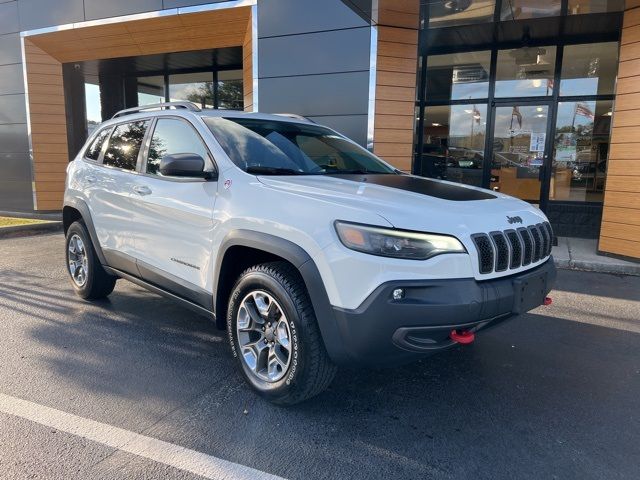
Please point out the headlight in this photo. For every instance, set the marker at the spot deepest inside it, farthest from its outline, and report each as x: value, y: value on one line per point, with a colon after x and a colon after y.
x: 387, y: 242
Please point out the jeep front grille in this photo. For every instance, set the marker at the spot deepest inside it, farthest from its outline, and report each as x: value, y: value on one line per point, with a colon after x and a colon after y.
x: 511, y: 249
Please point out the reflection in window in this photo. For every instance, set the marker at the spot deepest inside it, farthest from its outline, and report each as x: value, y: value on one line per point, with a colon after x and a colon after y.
x: 454, y: 139
x: 92, y: 104
x: 519, y: 141
x: 192, y: 87
x: 578, y: 7
x: 522, y: 9
x: 581, y: 146
x: 124, y: 145
x: 525, y: 72
x: 458, y: 76
x: 230, y: 95
x: 172, y: 136
x: 150, y: 90
x: 446, y: 13
x: 589, y: 69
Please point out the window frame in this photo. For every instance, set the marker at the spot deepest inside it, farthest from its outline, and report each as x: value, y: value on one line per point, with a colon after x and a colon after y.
x: 554, y: 99
x: 144, y: 149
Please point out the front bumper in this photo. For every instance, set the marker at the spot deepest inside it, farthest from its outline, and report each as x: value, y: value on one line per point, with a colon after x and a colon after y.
x: 384, y: 331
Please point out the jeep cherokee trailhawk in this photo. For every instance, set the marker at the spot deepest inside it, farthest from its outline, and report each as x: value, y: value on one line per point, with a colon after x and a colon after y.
x: 308, y: 249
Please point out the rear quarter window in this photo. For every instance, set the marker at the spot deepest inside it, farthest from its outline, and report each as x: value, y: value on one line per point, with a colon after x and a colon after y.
x: 95, y: 147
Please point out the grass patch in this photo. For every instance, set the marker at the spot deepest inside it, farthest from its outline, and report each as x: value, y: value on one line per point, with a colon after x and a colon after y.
x: 12, y: 222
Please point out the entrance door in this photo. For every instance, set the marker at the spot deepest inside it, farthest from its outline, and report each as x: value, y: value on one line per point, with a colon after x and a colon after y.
x: 519, y: 149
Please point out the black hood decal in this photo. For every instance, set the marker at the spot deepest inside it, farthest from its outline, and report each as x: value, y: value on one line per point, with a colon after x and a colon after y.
x: 424, y: 186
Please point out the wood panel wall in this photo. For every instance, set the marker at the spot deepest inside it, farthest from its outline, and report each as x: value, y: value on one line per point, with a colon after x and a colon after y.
x: 247, y: 68
x: 620, y: 231
x: 48, y: 127
x: 44, y: 55
x: 397, y: 57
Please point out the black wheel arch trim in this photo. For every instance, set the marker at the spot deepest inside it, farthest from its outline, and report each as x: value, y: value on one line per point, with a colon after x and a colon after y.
x: 82, y: 207
x: 307, y: 268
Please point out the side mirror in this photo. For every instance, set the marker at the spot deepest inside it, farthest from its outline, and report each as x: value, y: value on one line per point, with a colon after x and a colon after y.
x: 183, y: 165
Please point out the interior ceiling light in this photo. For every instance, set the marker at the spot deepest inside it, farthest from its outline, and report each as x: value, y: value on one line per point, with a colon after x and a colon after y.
x: 529, y: 56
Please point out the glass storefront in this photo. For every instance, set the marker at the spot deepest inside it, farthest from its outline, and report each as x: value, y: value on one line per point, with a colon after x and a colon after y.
x: 526, y: 113
x: 193, y: 87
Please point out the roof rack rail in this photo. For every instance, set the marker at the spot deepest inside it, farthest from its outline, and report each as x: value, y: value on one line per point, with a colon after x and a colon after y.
x: 295, y: 115
x: 161, y: 106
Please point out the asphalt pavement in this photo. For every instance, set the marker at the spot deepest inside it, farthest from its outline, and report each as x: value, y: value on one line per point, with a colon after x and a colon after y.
x: 552, y: 394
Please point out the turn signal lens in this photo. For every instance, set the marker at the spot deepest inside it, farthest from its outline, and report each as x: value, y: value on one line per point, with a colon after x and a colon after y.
x: 388, y: 242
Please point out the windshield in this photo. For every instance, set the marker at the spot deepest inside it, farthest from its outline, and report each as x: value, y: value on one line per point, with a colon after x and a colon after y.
x: 269, y: 147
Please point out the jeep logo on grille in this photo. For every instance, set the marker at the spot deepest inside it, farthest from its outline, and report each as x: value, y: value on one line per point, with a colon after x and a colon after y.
x: 513, y: 220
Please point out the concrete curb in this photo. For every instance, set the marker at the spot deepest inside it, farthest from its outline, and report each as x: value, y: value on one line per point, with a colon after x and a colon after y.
x: 30, y: 229
x: 598, y: 267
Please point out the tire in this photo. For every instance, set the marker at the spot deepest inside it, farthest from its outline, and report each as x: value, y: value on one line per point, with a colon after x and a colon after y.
x: 89, y: 279
x: 277, y: 286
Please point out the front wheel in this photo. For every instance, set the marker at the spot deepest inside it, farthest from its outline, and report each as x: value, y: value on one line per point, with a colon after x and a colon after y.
x: 275, y: 337
x: 89, y: 279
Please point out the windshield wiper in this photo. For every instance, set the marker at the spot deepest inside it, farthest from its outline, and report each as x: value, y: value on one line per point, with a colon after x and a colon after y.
x: 262, y: 170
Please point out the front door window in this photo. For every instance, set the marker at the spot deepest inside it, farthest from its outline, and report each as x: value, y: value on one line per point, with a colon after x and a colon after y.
x: 518, y: 153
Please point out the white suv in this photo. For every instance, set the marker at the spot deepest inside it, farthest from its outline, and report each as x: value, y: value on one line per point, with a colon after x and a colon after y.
x: 311, y: 251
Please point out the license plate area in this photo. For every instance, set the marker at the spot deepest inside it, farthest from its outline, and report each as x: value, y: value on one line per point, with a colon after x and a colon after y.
x: 529, y: 292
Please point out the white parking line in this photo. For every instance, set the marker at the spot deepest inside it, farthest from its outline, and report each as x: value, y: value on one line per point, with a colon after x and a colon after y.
x: 176, y: 456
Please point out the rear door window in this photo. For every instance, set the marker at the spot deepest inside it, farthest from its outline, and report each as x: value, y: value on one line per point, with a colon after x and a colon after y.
x: 124, y: 145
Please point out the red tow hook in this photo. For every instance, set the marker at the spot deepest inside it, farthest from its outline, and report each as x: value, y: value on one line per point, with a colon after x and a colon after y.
x: 464, y: 337
x: 547, y: 301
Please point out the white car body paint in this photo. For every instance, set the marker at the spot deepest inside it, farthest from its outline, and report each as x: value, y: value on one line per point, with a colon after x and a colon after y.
x: 189, y: 220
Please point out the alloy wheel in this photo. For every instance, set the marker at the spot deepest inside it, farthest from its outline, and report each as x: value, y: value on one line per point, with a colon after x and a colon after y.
x: 264, y: 336
x: 78, y: 261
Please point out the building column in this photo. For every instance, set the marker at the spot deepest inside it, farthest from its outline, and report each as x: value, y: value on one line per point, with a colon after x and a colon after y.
x: 395, y: 83
x: 620, y: 230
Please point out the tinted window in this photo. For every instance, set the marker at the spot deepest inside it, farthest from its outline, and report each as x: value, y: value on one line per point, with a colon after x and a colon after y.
x: 525, y: 72
x: 286, y: 148
x: 589, y: 69
x: 93, y: 152
x: 173, y: 136
x: 124, y: 145
x: 458, y: 76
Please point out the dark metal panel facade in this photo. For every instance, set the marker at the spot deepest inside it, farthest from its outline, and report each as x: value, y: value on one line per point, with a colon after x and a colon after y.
x: 95, y: 9
x: 11, y: 79
x: 13, y: 138
x: 10, y: 49
x: 15, y: 167
x: 15, y: 182
x: 9, y: 18
x: 353, y: 126
x: 314, y: 53
x: 316, y: 95
x: 288, y: 17
x: 45, y: 13
x: 12, y: 109
x: 313, y: 60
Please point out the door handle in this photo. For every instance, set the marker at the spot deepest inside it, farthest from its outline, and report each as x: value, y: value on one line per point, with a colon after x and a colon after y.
x: 90, y: 179
x: 142, y: 189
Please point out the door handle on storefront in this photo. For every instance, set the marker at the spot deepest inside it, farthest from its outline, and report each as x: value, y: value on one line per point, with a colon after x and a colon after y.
x: 142, y: 190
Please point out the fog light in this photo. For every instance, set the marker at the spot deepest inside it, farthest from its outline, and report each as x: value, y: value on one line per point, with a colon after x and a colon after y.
x: 398, y: 294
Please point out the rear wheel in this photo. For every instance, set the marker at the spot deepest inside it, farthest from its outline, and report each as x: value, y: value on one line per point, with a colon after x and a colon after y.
x: 275, y: 337
x: 89, y: 279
